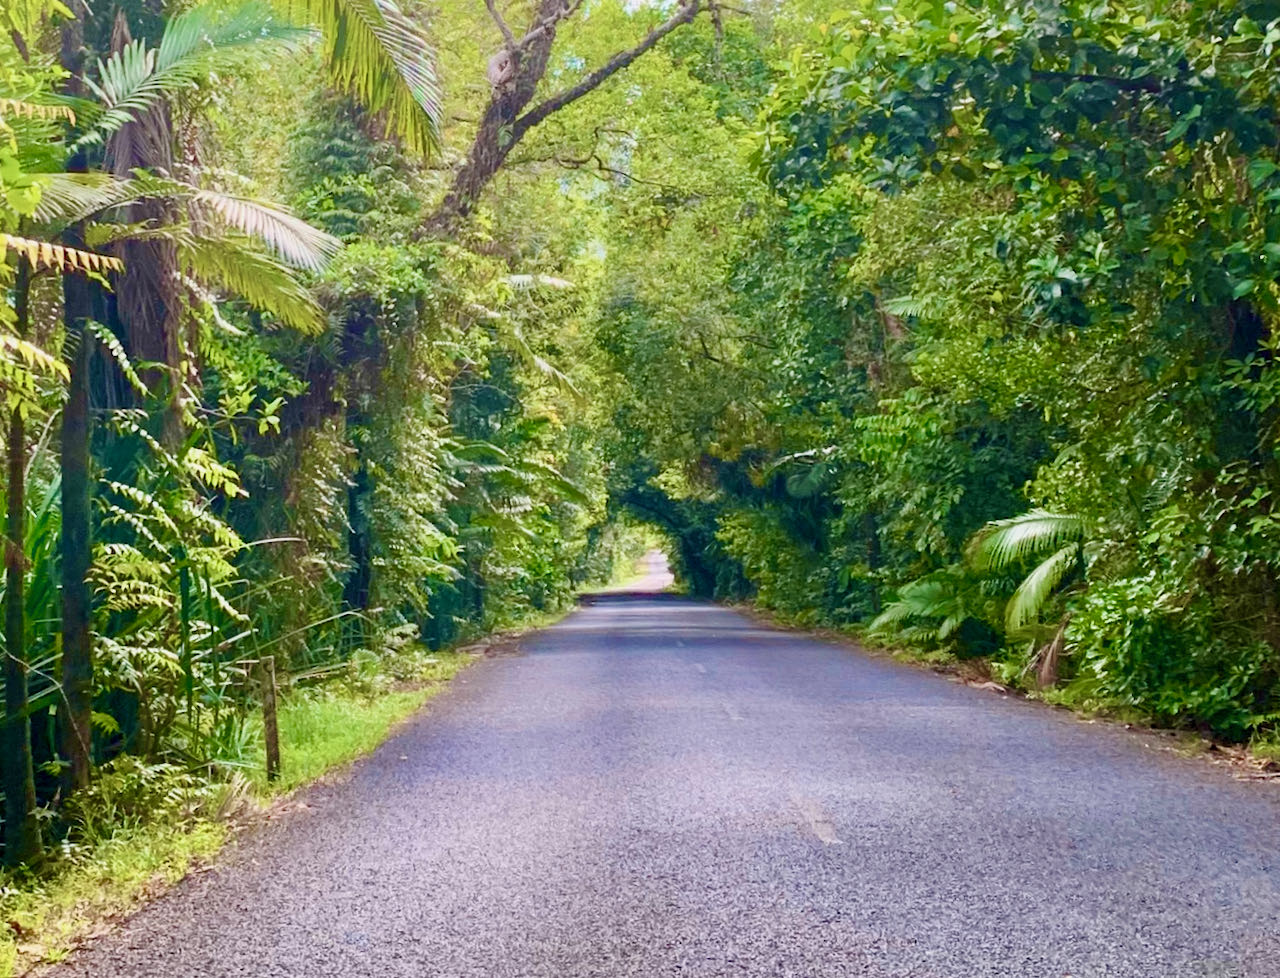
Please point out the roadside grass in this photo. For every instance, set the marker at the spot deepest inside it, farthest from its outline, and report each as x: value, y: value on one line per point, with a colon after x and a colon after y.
x: 90, y: 884
x: 1267, y: 748
x: 44, y: 917
x: 323, y: 730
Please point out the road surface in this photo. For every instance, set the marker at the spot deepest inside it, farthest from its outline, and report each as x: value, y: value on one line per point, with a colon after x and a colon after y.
x: 659, y: 787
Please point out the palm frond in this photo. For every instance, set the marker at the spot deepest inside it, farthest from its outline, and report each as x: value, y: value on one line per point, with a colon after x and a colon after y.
x: 927, y: 598
x: 1033, y: 593
x: 136, y: 77
x: 231, y: 262
x: 290, y: 237
x: 66, y: 198
x: 1003, y: 543
x: 376, y: 54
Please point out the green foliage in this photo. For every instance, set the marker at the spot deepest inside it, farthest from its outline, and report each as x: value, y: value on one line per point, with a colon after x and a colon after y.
x: 138, y: 77
x: 380, y: 56
x: 948, y: 608
x: 1141, y: 643
x: 1052, y: 541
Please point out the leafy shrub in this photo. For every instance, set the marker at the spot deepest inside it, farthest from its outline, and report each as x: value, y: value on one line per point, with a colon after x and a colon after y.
x: 790, y: 577
x: 1137, y: 643
x: 129, y: 792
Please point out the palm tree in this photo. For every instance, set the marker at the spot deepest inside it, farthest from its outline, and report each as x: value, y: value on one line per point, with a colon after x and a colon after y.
x: 1055, y: 542
x: 184, y: 230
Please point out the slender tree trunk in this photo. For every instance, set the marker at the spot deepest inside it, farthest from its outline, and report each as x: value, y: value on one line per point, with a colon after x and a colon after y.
x: 77, y: 293
x: 77, y: 648
x: 22, y: 843
x: 871, y: 526
x: 356, y: 590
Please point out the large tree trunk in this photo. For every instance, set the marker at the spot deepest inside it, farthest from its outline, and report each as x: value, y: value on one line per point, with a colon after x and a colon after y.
x: 77, y: 648
x: 147, y: 297
x: 22, y: 843
x: 497, y: 134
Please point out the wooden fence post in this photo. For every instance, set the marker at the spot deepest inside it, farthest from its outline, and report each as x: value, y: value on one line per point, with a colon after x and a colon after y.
x: 270, y: 728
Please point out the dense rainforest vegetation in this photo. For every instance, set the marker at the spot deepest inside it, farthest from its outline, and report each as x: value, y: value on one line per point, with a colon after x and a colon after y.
x: 339, y: 331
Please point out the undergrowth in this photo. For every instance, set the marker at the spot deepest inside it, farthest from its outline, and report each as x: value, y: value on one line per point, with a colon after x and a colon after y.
x: 143, y: 826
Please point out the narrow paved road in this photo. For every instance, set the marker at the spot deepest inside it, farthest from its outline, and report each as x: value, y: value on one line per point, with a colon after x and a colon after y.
x: 659, y: 787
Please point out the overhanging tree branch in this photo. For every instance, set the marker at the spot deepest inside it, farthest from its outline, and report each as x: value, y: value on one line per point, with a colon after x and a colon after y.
x: 507, y: 36
x: 687, y: 12
x: 506, y: 121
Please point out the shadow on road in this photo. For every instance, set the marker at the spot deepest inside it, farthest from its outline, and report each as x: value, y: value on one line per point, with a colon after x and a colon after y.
x: 633, y: 597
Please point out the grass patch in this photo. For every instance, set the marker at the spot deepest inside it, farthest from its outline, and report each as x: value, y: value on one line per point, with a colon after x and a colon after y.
x: 43, y: 917
x: 322, y: 729
x: 1266, y: 747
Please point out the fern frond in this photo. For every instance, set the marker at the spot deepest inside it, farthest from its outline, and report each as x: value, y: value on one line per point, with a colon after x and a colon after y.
x: 16, y: 108
x: 111, y: 343
x: 1003, y: 543
x: 43, y: 254
x: 376, y: 54
x: 1033, y: 593
x: 13, y: 349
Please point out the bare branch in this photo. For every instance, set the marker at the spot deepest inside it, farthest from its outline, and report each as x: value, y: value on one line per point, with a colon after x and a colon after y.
x: 687, y: 12
x: 544, y: 25
x: 503, y: 124
x: 502, y: 25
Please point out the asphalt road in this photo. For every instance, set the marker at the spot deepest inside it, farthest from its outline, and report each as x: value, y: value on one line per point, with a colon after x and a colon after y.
x: 660, y: 787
